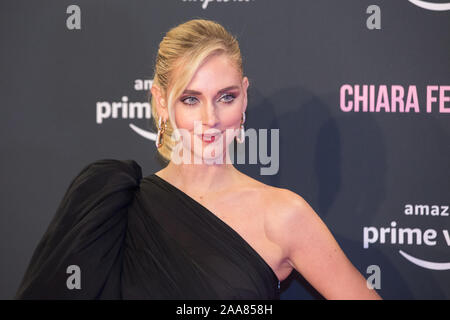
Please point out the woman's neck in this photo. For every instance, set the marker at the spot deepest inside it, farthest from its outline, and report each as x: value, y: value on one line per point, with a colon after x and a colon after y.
x: 201, y: 179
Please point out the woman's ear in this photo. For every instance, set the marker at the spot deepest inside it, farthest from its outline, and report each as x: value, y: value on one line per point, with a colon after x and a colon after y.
x: 245, y: 85
x: 161, y: 106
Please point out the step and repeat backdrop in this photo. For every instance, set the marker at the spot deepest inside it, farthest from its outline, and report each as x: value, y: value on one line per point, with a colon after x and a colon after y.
x: 357, y: 94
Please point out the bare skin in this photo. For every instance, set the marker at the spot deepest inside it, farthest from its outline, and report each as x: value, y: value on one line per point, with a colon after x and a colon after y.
x: 245, y: 208
x: 277, y: 223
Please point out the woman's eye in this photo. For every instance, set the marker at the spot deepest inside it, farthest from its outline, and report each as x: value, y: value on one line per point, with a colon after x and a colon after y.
x: 188, y: 98
x: 227, y: 98
x: 230, y: 98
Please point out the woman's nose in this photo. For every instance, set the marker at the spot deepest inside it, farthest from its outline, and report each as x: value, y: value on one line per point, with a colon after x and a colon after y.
x: 210, y: 117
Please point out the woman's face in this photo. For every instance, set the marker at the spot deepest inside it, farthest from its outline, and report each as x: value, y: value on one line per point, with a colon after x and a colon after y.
x: 212, y: 104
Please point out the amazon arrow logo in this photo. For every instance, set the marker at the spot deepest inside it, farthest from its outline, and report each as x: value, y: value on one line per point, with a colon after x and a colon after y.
x: 143, y: 133
x: 426, y: 264
x: 433, y: 6
x: 429, y: 264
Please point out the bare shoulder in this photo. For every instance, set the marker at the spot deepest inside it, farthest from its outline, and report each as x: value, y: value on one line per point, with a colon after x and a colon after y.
x: 289, y: 206
x: 286, y: 213
x: 306, y: 244
x: 280, y: 205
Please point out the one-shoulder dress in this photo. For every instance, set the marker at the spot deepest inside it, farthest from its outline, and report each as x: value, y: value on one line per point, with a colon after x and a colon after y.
x: 125, y: 236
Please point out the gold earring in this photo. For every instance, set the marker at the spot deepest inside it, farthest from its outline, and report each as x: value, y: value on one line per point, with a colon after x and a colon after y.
x: 240, y: 138
x: 160, y: 135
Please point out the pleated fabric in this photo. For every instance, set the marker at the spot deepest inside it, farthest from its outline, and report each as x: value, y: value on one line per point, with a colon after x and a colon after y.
x: 135, y: 237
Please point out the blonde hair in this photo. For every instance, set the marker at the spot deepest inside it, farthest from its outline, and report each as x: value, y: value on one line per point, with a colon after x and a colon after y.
x: 180, y: 53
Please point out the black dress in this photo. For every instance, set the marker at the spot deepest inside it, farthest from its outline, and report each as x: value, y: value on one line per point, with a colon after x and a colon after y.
x: 135, y: 237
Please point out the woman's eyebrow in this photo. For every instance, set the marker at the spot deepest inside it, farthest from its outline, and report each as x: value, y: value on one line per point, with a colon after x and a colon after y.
x: 220, y: 91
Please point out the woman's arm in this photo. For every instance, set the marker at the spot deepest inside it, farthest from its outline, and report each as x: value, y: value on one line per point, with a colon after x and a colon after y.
x: 313, y: 252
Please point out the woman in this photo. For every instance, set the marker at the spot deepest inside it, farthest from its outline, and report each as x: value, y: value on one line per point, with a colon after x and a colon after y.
x: 197, y: 229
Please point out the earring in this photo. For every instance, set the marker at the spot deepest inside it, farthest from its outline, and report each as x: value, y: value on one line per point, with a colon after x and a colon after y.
x: 240, y: 138
x: 160, y: 135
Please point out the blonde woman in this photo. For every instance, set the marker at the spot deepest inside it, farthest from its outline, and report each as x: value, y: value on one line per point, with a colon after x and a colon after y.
x: 197, y: 229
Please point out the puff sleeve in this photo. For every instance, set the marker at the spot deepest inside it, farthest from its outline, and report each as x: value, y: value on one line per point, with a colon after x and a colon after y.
x: 80, y: 254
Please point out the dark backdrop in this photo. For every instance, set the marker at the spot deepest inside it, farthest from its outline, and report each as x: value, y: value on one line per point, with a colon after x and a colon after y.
x: 356, y: 169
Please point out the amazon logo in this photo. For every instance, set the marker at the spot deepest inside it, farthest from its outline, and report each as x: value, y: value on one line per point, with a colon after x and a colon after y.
x: 419, y: 236
x: 433, y: 6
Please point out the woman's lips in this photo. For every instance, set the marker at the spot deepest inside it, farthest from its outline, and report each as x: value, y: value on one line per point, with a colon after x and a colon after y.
x: 209, y: 138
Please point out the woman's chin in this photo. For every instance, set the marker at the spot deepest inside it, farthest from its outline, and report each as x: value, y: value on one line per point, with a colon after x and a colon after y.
x: 209, y: 155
